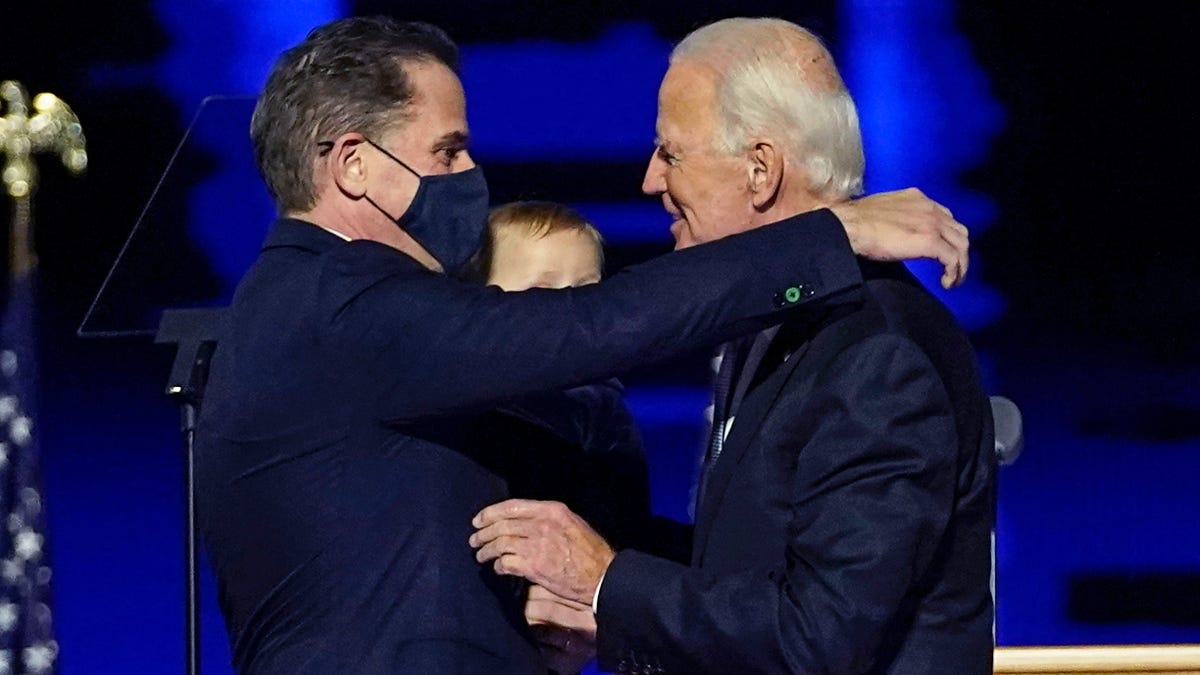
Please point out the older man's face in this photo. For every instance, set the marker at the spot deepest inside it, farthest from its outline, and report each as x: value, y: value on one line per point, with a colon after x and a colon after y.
x: 706, y: 192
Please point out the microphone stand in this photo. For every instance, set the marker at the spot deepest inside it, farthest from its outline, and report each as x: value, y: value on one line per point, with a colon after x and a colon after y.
x: 195, y: 332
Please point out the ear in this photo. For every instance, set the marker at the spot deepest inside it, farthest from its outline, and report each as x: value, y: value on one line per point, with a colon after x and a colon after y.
x: 766, y: 172
x: 345, y: 164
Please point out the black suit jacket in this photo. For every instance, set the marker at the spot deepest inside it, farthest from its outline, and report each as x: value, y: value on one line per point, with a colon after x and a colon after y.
x: 599, y: 469
x: 846, y: 526
x: 594, y: 462
x: 338, y: 452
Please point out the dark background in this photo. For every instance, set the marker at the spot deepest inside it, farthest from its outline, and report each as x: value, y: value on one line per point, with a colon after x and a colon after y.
x: 1084, y: 253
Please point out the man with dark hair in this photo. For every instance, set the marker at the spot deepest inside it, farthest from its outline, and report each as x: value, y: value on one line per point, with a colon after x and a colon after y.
x: 337, y: 462
x: 344, y: 76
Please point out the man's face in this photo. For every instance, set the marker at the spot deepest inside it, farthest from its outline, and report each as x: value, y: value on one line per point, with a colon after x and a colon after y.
x: 705, y: 191
x: 431, y: 138
x: 557, y: 260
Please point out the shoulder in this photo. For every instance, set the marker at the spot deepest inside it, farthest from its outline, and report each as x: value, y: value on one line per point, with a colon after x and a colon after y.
x: 864, y: 353
x: 370, y: 262
x: 366, y: 275
x: 883, y: 351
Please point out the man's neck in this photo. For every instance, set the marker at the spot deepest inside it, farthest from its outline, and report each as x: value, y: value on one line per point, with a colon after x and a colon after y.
x: 349, y: 227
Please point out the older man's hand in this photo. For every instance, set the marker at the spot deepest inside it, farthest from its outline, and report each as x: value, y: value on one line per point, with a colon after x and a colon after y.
x: 545, y: 543
x: 904, y: 225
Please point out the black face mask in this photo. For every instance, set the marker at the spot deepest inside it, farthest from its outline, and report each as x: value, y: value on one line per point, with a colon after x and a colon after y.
x: 448, y: 215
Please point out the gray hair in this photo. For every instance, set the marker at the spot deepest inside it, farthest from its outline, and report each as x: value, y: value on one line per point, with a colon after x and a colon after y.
x: 764, y: 88
x: 347, y: 75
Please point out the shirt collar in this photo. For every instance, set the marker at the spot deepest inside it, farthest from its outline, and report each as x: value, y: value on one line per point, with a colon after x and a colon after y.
x: 294, y: 233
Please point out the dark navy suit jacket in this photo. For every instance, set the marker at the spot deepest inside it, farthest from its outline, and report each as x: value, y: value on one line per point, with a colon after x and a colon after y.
x: 339, y: 460
x: 599, y: 467
x: 594, y: 462
x: 846, y: 526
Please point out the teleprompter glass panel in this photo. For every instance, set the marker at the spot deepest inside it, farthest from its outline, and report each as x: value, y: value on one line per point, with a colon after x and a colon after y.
x: 198, y: 233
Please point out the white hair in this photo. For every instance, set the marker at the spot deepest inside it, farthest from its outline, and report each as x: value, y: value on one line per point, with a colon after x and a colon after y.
x: 765, y: 89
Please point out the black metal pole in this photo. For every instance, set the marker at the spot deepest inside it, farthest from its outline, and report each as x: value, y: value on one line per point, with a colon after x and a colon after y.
x: 195, y: 333
x: 191, y: 557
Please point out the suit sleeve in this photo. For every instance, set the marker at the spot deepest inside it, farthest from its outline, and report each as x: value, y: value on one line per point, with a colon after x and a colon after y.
x: 871, y: 497
x: 432, y: 345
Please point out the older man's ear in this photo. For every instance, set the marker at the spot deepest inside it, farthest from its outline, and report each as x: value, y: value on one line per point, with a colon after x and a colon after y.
x: 766, y: 173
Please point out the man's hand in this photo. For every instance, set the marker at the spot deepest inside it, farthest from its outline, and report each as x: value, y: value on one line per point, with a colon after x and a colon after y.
x: 905, y: 225
x: 565, y: 630
x: 545, y: 543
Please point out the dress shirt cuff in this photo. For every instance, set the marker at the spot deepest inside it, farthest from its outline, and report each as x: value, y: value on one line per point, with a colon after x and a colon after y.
x: 596, y: 597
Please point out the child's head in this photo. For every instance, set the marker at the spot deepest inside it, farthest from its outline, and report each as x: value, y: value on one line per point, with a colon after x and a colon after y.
x: 539, y: 244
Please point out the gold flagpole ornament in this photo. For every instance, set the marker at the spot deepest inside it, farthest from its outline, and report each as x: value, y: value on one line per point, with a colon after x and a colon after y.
x: 52, y: 128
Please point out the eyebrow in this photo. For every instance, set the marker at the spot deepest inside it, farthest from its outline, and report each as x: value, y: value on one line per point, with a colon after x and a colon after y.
x: 662, y: 143
x: 665, y: 153
x: 453, y: 139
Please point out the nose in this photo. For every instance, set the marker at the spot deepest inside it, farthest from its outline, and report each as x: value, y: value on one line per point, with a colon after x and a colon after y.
x: 465, y: 160
x: 655, y: 180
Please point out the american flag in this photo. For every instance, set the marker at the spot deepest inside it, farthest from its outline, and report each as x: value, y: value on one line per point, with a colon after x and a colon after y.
x: 27, y: 642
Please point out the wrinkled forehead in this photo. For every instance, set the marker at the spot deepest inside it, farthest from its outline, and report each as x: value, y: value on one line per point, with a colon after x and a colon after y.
x: 687, y: 103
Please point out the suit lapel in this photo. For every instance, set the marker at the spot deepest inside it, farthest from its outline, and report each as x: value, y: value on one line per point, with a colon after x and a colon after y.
x: 757, y: 351
x: 819, y: 339
x: 753, y: 410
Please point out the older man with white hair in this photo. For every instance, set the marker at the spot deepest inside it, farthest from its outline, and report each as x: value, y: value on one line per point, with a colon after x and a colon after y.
x: 844, y: 516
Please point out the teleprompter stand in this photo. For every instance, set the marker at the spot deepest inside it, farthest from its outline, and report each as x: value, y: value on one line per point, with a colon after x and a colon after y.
x: 195, y: 333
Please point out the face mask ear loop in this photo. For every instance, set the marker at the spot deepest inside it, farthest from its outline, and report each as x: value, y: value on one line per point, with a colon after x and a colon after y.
x: 403, y: 219
x: 379, y: 208
x: 391, y: 156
